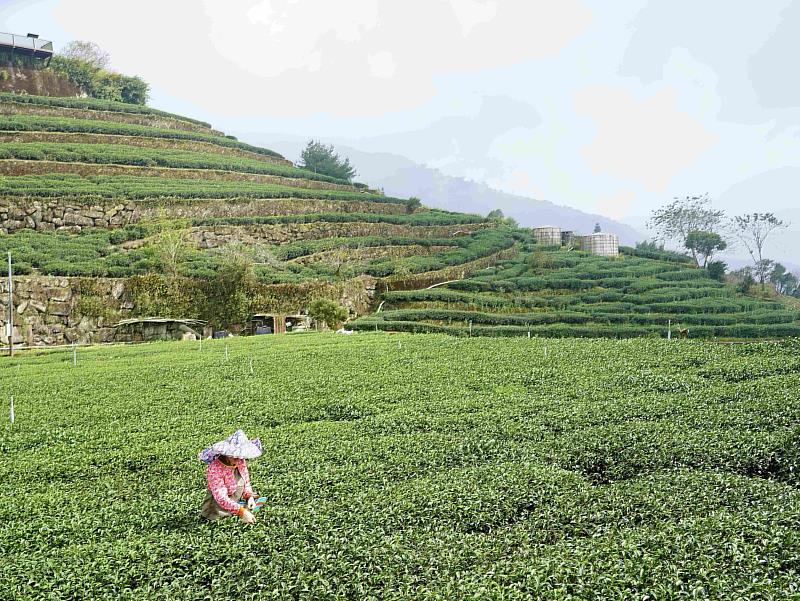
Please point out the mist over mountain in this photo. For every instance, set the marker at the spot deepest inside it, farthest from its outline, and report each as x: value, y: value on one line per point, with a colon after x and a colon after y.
x: 400, y: 176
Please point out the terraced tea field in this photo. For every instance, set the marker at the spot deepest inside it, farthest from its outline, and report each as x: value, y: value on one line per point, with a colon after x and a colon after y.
x: 556, y: 292
x: 99, y: 189
x: 62, y: 159
x: 401, y: 466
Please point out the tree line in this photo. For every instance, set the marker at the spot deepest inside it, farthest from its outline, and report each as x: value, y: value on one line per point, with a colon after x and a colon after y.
x: 704, y: 231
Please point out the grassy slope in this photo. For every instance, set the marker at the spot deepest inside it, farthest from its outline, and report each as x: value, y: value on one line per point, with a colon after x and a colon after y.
x: 407, y: 467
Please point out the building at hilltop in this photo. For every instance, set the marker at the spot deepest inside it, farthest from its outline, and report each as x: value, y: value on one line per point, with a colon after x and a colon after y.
x: 25, y: 68
x: 28, y: 47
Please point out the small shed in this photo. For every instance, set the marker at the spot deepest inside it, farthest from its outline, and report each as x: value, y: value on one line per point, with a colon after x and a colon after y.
x: 28, y: 46
x: 547, y: 235
x: 277, y: 323
x: 148, y: 329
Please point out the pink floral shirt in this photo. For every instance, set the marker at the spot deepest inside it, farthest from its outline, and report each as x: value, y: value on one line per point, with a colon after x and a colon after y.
x: 222, y: 483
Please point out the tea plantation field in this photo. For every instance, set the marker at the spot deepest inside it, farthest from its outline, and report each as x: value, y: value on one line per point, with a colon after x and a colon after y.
x: 400, y: 466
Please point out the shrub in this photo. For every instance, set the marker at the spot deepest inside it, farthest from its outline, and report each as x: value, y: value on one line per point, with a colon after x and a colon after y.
x: 323, y: 310
x: 746, y: 284
x: 99, y: 83
x: 575, y: 469
x: 716, y: 270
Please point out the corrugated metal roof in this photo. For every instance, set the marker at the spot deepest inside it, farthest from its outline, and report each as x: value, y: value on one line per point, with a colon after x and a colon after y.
x: 186, y: 322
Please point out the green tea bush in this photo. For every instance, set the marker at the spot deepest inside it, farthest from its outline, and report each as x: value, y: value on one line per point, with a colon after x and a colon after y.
x: 119, y: 154
x: 585, y: 296
x: 429, y: 217
x: 548, y: 469
x: 143, y: 188
x: 31, y: 123
x: 657, y: 254
x: 93, y: 104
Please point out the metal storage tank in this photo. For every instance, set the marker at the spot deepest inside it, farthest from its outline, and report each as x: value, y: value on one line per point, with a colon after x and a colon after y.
x: 602, y: 244
x: 567, y: 238
x: 547, y: 235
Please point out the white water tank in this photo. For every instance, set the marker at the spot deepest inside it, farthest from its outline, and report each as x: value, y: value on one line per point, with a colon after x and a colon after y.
x: 547, y: 235
x: 601, y: 243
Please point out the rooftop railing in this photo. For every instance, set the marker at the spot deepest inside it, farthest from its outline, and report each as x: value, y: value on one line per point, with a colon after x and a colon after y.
x: 27, y: 44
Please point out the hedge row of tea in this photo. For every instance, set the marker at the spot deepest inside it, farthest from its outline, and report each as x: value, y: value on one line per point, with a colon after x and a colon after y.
x: 93, y: 104
x: 99, y: 252
x: 428, y: 217
x: 137, y: 188
x: 407, y: 467
x: 120, y: 154
x: 32, y: 123
x: 551, y: 292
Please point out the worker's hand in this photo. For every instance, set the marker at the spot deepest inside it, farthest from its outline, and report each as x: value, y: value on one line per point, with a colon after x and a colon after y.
x: 251, y: 502
x: 247, y: 517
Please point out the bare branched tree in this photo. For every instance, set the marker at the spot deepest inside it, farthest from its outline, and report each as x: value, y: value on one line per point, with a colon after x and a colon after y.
x: 684, y: 215
x: 88, y: 52
x: 172, y: 242
x: 752, y: 230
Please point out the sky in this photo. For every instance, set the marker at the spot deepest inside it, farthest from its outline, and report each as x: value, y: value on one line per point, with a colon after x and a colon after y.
x: 608, y: 107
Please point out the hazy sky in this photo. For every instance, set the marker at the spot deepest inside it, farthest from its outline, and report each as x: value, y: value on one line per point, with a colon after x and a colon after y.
x: 610, y: 107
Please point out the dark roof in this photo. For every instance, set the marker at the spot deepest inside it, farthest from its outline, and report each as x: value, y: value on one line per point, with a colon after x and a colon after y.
x: 186, y: 322
x: 26, y: 45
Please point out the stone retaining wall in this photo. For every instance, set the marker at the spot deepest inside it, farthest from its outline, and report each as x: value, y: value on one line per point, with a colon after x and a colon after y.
x: 51, y: 214
x: 58, y: 310
x: 59, y: 215
x: 39, y: 82
x: 213, y: 237
x: 54, y: 310
x: 344, y: 254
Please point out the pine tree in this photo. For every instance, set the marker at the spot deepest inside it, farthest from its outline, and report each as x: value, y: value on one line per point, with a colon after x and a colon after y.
x: 321, y: 158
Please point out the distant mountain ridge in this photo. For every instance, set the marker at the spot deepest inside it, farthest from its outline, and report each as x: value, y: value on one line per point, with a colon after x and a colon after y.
x: 400, y: 176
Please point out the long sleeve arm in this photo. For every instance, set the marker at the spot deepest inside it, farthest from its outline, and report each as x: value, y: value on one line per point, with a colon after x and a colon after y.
x: 248, y: 489
x: 216, y: 484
